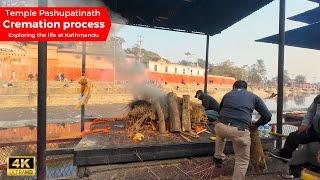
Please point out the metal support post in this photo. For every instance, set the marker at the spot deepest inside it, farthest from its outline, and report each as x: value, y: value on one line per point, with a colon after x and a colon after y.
x: 280, y: 69
x: 206, y: 66
x: 84, y: 52
x: 41, y: 106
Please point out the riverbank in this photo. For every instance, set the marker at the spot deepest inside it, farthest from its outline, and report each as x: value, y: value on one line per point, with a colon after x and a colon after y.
x: 24, y: 94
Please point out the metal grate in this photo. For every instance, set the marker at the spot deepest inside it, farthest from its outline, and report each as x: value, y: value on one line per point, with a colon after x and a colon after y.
x: 287, y: 129
x: 59, y: 164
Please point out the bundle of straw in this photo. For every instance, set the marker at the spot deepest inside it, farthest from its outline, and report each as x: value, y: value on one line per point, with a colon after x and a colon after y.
x: 257, y: 156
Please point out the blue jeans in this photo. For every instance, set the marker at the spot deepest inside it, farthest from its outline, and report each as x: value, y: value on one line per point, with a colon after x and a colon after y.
x: 212, y: 115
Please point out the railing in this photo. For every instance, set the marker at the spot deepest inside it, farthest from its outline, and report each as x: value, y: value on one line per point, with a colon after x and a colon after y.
x: 59, y: 156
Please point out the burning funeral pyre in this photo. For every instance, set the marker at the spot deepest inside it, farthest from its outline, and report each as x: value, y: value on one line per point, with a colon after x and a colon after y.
x: 167, y: 113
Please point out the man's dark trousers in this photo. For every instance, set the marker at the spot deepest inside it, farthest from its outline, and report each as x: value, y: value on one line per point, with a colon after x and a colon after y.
x: 296, y: 138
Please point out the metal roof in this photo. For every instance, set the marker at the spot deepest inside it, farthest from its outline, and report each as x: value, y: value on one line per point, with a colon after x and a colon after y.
x: 193, y: 16
x: 316, y: 1
x: 304, y: 37
x: 309, y: 17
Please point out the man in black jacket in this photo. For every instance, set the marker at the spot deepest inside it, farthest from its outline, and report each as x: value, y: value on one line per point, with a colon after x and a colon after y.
x: 235, y: 117
x: 308, y: 132
x: 209, y: 103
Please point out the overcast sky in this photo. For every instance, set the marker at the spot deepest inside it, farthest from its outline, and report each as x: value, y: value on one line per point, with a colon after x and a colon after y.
x: 236, y: 43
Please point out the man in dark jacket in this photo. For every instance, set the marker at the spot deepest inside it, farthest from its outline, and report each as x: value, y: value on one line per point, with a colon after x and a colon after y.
x: 308, y: 132
x: 209, y: 103
x: 235, y: 116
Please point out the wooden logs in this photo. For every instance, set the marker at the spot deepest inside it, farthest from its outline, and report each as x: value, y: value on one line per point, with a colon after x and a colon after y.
x: 185, y: 117
x: 174, y: 115
x: 162, y: 122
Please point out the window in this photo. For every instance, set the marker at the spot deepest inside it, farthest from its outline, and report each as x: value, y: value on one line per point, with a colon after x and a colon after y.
x: 198, y: 72
x: 166, y: 69
x: 175, y: 70
x: 184, y: 71
x: 155, y: 68
x: 191, y: 71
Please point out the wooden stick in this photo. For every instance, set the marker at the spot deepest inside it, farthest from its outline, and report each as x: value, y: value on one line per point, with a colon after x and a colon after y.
x: 136, y: 126
x: 185, y: 138
x: 174, y: 115
x: 162, y: 122
x: 185, y: 117
x: 191, y: 135
x: 203, y: 130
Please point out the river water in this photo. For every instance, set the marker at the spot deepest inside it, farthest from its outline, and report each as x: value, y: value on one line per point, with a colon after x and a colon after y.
x: 290, y: 103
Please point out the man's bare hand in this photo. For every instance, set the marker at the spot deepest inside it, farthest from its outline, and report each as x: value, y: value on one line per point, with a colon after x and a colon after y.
x: 253, y: 126
x: 303, y: 128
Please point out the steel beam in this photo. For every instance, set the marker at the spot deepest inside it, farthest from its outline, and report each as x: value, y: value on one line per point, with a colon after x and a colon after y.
x: 84, y: 56
x: 41, y: 113
x: 206, y: 66
x: 280, y: 70
x: 42, y: 105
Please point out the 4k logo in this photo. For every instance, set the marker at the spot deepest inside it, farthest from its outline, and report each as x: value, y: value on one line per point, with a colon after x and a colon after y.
x: 21, y: 166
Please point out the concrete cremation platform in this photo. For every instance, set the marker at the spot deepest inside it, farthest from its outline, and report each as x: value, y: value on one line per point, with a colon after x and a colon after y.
x: 117, y: 147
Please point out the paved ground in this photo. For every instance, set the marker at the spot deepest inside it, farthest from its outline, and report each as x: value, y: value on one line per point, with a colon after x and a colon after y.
x: 186, y: 168
x: 24, y: 116
x: 56, y: 112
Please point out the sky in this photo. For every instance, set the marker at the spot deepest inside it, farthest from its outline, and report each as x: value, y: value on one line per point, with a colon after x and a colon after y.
x: 237, y: 43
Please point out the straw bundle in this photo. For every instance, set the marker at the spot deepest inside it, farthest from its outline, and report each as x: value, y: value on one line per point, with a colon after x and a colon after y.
x: 257, y: 157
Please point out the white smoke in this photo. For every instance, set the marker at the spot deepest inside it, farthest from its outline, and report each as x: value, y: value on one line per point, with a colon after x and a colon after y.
x: 132, y: 71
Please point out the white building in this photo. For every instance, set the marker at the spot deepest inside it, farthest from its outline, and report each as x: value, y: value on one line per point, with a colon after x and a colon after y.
x: 171, y: 68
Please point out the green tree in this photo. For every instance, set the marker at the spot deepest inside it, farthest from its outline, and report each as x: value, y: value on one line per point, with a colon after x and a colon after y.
x: 146, y: 55
x: 227, y: 68
x: 286, y: 78
x: 201, y: 62
x: 300, y: 79
x: 185, y: 63
x: 261, y: 68
x: 254, y: 76
x: 257, y: 73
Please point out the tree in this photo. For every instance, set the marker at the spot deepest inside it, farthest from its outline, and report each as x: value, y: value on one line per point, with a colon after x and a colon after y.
x: 227, y: 68
x: 257, y: 73
x: 286, y: 78
x: 201, y: 62
x: 254, y: 76
x: 261, y: 68
x: 186, y: 63
x: 300, y: 79
x: 146, y: 55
